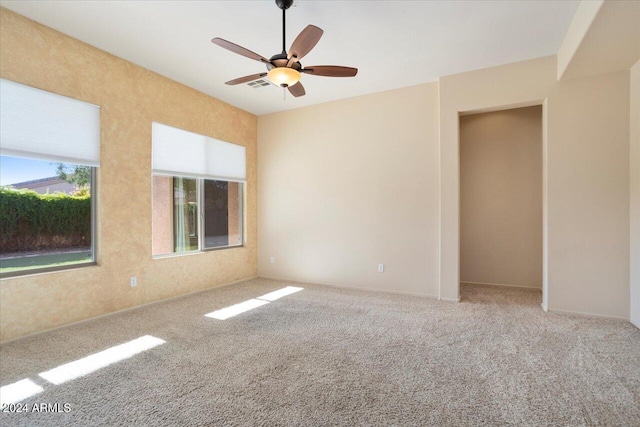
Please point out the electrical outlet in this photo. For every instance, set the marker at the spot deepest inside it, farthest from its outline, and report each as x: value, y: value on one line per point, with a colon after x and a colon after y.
x: 380, y: 268
x: 273, y: 260
x: 134, y: 281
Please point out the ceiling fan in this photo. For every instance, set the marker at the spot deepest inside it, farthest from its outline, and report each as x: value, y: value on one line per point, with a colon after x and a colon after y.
x: 284, y: 69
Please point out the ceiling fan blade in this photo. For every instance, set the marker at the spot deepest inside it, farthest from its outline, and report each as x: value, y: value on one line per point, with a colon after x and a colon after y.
x: 245, y: 79
x: 297, y: 90
x: 330, y: 71
x: 239, y: 50
x: 305, y: 41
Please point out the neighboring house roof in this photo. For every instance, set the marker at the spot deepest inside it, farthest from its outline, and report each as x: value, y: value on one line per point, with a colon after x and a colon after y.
x: 44, y: 185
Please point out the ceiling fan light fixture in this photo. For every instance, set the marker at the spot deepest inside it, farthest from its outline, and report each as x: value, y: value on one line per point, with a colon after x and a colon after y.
x: 283, y: 76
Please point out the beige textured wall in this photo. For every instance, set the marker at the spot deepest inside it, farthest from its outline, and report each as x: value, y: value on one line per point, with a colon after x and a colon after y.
x: 635, y: 194
x: 585, y: 178
x: 501, y: 197
x: 347, y: 185
x: 130, y: 98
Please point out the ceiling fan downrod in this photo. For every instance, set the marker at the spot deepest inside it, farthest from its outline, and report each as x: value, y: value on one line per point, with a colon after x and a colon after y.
x: 284, y: 5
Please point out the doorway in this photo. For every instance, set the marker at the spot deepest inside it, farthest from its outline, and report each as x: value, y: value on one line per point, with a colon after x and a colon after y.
x: 501, y: 198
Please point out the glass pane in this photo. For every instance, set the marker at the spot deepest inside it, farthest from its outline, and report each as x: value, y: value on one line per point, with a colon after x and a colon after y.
x: 45, y: 214
x: 185, y: 214
x: 162, y: 216
x: 222, y: 214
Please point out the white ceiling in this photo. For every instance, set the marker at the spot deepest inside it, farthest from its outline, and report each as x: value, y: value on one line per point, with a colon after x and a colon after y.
x: 393, y: 43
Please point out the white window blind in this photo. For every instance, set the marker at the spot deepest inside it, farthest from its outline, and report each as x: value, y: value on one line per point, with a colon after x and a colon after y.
x: 43, y: 125
x: 179, y: 152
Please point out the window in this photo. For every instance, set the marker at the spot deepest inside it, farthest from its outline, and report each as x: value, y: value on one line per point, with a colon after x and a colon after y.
x: 197, y: 196
x: 49, y: 153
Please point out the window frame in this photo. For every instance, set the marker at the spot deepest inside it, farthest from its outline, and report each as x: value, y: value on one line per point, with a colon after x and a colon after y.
x: 200, y: 217
x: 94, y: 229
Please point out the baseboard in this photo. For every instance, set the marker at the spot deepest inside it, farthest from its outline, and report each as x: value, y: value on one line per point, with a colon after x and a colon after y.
x: 586, y: 314
x: 124, y: 310
x: 545, y: 308
x: 449, y: 299
x: 502, y: 285
x: 355, y: 288
x: 635, y: 323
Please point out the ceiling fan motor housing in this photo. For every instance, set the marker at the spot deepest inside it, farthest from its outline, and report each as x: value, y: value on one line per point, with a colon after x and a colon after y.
x: 281, y: 60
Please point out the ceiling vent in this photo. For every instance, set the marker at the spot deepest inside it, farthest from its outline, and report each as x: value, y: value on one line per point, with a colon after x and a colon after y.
x: 257, y: 84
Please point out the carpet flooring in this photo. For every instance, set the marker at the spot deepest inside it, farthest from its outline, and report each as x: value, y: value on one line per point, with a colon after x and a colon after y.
x: 325, y: 356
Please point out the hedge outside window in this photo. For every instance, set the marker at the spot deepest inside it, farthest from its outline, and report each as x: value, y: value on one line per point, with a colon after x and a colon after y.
x: 45, y: 223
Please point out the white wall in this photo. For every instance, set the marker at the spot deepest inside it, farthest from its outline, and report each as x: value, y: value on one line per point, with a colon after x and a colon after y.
x: 347, y: 185
x: 587, y: 175
x: 501, y: 197
x: 589, y: 195
x: 586, y: 13
x: 507, y: 86
x: 635, y: 194
x: 604, y: 37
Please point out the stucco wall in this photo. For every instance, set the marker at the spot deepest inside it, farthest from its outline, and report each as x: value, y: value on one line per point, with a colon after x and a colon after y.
x: 131, y: 98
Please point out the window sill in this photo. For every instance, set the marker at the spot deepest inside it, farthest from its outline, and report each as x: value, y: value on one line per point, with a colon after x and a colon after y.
x: 203, y: 251
x: 46, y: 270
x: 222, y: 248
x: 177, y: 254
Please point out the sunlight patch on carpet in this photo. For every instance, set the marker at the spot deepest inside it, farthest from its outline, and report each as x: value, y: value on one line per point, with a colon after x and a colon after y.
x: 272, y: 296
x: 14, y: 393
x: 93, y: 362
x: 234, y: 310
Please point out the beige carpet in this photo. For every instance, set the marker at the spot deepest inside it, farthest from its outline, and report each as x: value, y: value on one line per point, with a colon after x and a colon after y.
x: 325, y: 356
